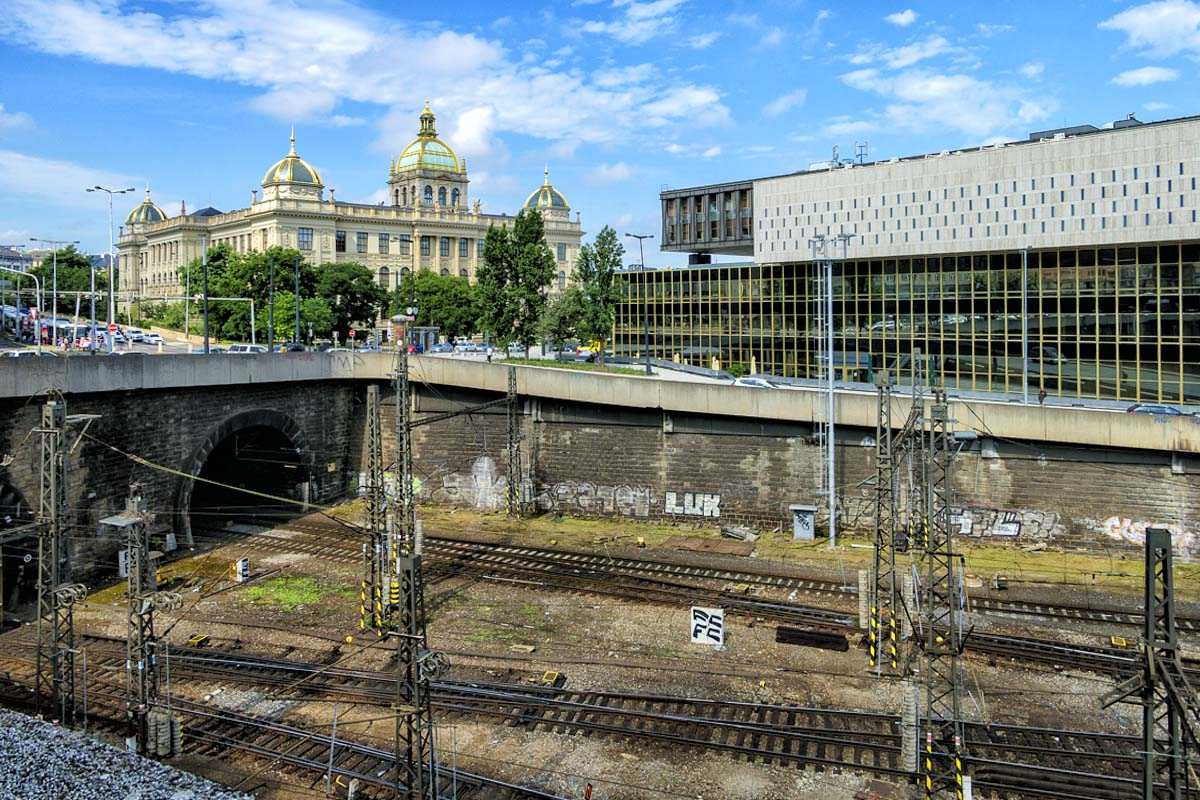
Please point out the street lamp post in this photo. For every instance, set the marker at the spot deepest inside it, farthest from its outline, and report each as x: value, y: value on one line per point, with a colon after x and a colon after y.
x: 111, y: 261
x: 54, y: 245
x: 641, y: 237
x: 204, y: 267
x: 270, y: 304
x: 296, y: 297
x: 37, y: 287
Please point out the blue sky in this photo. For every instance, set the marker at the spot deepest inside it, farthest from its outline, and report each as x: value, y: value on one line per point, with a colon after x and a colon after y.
x: 619, y: 97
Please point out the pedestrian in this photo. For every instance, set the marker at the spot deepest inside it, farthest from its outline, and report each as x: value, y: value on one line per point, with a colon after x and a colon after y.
x: 1042, y: 396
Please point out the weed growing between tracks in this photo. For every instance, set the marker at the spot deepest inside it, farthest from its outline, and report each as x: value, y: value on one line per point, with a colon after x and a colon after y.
x: 291, y: 592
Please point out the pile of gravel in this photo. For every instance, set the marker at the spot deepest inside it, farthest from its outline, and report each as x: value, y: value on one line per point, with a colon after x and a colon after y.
x: 41, y: 761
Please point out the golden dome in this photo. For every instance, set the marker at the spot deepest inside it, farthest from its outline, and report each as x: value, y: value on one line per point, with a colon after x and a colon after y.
x: 292, y: 169
x: 146, y: 211
x: 546, y: 196
x: 427, y: 151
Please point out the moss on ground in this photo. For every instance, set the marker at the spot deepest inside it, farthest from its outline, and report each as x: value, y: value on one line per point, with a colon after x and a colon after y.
x: 290, y: 592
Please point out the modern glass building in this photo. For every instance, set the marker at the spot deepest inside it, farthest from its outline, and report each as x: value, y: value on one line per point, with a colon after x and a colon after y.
x: 1105, y: 220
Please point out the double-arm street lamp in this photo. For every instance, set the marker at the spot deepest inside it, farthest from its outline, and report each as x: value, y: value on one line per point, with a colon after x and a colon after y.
x: 111, y: 261
x: 641, y: 237
x: 55, y: 244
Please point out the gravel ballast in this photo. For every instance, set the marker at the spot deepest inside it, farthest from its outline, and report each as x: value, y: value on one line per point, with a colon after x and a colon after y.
x: 42, y: 761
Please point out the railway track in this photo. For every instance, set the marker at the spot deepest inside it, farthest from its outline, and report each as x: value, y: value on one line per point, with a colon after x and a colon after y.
x: 1007, y: 761
x: 590, y: 573
x: 508, y: 557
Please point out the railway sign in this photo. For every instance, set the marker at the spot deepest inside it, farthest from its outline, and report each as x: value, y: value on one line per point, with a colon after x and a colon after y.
x: 241, y: 570
x: 708, y: 626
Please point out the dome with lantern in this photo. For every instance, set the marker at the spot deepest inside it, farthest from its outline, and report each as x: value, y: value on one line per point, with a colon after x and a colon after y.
x: 427, y: 151
x: 292, y: 170
x: 546, y: 198
x: 146, y: 211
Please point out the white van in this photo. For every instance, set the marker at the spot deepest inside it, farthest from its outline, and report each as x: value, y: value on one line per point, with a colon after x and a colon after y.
x: 135, y: 334
x: 247, y: 348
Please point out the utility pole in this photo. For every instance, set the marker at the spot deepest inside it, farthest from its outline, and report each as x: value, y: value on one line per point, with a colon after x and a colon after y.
x: 374, y: 553
x: 55, y: 244
x: 296, y: 297
x: 642, y: 237
x: 54, y: 683
x: 882, y: 631
x: 514, y: 447
x: 1170, y: 706
x: 941, y: 634
x: 204, y: 308
x: 416, y: 665
x: 112, y: 316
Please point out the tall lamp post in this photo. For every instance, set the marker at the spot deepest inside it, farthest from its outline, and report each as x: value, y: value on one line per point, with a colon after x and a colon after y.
x: 111, y: 262
x: 641, y: 237
x: 37, y: 286
x: 54, y: 245
x: 204, y: 269
x: 296, y: 297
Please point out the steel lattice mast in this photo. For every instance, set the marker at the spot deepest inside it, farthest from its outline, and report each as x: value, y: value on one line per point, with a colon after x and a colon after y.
x: 514, y: 446
x: 375, y: 561
x: 883, y: 629
x: 941, y: 634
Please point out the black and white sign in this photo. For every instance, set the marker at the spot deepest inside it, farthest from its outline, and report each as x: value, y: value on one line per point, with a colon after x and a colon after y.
x: 708, y: 626
x: 122, y: 563
x: 241, y: 570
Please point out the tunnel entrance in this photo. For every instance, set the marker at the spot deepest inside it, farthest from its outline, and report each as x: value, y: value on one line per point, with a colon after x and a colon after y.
x: 18, y: 555
x: 257, y: 456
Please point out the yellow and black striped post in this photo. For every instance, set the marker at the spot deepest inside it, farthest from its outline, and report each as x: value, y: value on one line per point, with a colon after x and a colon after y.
x: 892, y: 640
x: 378, y: 599
x: 394, y: 597
x: 362, y: 605
x: 872, y: 638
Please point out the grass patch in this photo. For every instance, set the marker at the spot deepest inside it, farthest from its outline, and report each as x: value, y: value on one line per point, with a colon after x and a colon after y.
x: 288, y: 593
x: 581, y: 365
x: 508, y: 622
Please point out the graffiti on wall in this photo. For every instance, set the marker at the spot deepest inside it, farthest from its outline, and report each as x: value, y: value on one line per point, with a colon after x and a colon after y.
x: 1131, y: 531
x: 574, y: 497
x: 1006, y: 523
x: 484, y: 487
x: 692, y: 504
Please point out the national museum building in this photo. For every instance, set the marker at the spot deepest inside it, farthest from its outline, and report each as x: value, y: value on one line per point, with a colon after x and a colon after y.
x: 931, y: 257
x: 429, y: 222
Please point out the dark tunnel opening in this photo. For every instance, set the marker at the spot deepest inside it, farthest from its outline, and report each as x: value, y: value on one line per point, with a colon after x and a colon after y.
x: 18, y: 555
x: 259, y: 458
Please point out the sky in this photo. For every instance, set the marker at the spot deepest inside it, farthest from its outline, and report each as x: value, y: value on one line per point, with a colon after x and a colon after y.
x: 619, y: 98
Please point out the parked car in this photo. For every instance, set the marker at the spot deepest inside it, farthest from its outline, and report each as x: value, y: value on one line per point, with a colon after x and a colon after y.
x: 136, y: 334
x: 247, y: 348
x: 27, y: 353
x: 754, y: 383
x: 152, y: 338
x: 1155, y: 408
x: 291, y: 347
x: 442, y: 347
x: 215, y: 348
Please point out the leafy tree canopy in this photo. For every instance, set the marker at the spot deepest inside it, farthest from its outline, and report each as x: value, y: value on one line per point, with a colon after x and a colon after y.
x: 561, y: 317
x: 450, y: 303
x: 74, y: 275
x: 600, y: 286
x: 516, y: 270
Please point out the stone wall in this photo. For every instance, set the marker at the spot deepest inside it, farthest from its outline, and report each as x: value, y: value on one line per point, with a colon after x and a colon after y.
x: 587, y: 460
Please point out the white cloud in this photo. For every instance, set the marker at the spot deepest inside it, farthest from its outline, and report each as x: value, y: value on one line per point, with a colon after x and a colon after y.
x: 1162, y: 28
x: 639, y: 21
x: 624, y: 221
x: 1156, y: 105
x: 12, y: 120
x: 772, y: 38
x: 1145, y: 76
x: 905, y: 55
x: 922, y: 100
x: 844, y: 126
x: 336, y: 53
x: 611, y: 173
x: 675, y: 148
x: 785, y: 103
x: 988, y: 30
x: 59, y: 182
x: 712, y: 152
x: 703, y: 40
x: 902, y: 19
x: 473, y: 131
x: 624, y: 76
x: 1032, y: 69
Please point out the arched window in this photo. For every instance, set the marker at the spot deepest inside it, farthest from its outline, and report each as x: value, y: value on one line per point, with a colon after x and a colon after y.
x: 445, y: 272
x: 441, y: 195
x: 562, y: 279
x: 384, y: 276
x: 402, y: 193
x: 462, y: 273
x: 454, y: 198
x: 404, y: 272
x: 428, y: 195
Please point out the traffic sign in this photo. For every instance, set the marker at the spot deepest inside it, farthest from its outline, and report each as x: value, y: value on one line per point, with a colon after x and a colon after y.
x: 112, y: 327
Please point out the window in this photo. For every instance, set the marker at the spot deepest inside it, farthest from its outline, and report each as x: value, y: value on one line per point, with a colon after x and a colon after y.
x: 445, y: 272
x: 462, y: 273
x: 464, y: 247
x: 383, y: 243
x: 428, y: 195
x: 360, y: 242
x: 340, y: 245
x: 562, y: 279
x: 262, y: 237
x: 405, y: 244
x: 384, y: 276
x: 454, y: 198
x: 562, y: 251
x: 403, y: 198
x: 426, y: 245
x: 444, y: 247
x: 479, y: 247
x: 441, y: 195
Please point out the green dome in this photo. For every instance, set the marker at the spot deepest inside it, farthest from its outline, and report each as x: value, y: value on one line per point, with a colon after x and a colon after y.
x: 546, y: 196
x: 147, y: 211
x: 292, y: 169
x: 427, y: 151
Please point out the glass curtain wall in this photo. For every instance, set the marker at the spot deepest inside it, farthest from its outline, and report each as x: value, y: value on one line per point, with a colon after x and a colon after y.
x: 1103, y: 322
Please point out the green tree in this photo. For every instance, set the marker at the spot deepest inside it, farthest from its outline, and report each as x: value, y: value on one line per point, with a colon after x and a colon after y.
x: 496, y: 313
x: 74, y: 275
x: 450, y: 303
x: 534, y: 269
x: 600, y: 287
x: 352, y: 294
x: 562, y: 317
x: 314, y: 311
